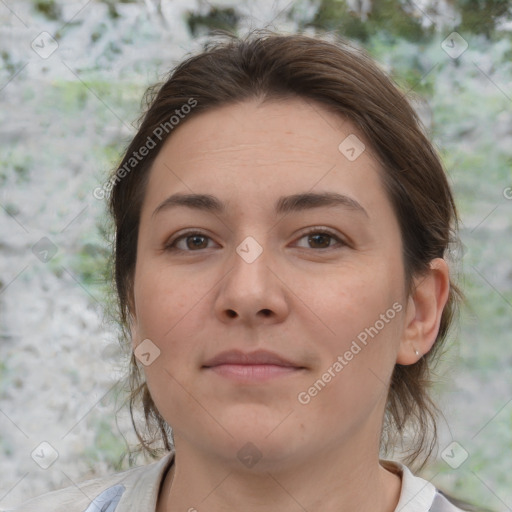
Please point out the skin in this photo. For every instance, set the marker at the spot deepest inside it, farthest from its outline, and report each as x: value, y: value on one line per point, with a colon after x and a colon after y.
x: 298, y: 298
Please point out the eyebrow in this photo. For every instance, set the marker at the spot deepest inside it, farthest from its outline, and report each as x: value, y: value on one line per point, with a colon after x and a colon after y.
x: 284, y: 205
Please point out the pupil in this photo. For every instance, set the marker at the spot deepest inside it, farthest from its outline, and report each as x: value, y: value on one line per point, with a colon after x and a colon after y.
x: 325, y: 237
x: 195, y: 239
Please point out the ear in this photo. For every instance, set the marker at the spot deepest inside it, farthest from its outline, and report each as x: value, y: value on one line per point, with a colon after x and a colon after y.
x: 425, y: 306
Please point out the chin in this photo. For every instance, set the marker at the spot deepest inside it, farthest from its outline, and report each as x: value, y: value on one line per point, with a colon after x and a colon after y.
x: 273, y: 435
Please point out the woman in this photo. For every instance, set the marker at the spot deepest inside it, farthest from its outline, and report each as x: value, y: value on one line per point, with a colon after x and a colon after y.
x: 281, y: 227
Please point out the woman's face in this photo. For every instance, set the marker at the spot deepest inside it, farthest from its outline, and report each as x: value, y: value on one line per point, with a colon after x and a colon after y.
x: 272, y: 264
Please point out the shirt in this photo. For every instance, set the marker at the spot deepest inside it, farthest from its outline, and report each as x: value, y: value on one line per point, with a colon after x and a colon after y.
x: 137, y: 489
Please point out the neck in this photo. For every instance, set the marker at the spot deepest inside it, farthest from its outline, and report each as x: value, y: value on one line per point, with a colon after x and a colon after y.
x: 330, y: 482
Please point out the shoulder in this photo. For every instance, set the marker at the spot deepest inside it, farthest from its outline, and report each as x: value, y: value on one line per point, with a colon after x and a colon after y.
x: 119, y: 492
x: 441, y: 503
x: 446, y: 503
x: 418, y: 494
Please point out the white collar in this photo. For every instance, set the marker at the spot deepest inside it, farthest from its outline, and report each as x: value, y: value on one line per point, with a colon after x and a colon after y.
x: 417, y: 494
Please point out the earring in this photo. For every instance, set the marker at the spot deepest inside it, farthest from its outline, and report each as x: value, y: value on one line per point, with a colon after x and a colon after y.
x: 417, y: 352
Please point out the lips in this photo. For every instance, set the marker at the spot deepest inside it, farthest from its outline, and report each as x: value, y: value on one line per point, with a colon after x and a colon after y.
x: 259, y: 357
x: 253, y: 368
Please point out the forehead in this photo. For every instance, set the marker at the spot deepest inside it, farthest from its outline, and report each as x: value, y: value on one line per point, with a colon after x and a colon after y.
x: 254, y: 152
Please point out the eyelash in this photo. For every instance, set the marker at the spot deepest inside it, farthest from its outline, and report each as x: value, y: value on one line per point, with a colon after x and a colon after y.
x: 171, y: 245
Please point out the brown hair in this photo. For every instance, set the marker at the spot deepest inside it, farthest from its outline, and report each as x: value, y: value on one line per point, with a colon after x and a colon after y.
x: 345, y: 80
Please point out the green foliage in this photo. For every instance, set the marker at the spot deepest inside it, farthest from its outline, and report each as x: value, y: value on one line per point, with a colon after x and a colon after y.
x: 49, y: 8
x: 217, y: 19
x: 388, y: 16
x: 335, y: 15
x: 480, y: 16
x: 16, y: 162
x: 112, y: 10
x: 99, y: 31
x: 3, y: 374
x: 6, y: 448
x: 110, y: 154
x: 108, y: 446
x: 8, y: 64
x: 112, y: 6
x: 391, y: 17
x: 414, y: 79
x: 72, y: 96
x: 90, y: 264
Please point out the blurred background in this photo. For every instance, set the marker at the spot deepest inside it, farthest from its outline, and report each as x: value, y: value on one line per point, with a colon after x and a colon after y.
x: 71, y: 81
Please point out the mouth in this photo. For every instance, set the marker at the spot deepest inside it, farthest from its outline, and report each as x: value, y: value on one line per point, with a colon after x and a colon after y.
x: 257, y: 366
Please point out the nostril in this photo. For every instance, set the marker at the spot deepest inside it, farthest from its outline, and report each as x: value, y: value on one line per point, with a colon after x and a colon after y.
x: 231, y: 313
x: 266, y: 312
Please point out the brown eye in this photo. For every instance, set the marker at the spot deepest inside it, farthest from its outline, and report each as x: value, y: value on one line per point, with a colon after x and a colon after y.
x: 193, y: 241
x: 196, y: 242
x: 321, y: 239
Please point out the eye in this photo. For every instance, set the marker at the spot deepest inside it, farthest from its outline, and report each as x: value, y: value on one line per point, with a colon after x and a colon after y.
x: 321, y: 238
x: 192, y: 240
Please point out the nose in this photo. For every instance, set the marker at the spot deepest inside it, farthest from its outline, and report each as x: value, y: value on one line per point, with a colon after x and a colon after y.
x: 253, y: 290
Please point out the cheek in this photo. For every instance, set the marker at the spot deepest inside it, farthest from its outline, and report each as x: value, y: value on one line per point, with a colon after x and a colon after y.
x: 162, y: 299
x: 172, y: 309
x: 352, y: 382
x: 167, y: 308
x: 361, y: 314
x: 349, y: 300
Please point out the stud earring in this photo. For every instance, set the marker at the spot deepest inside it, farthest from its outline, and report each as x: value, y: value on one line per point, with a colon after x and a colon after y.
x: 416, y: 351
